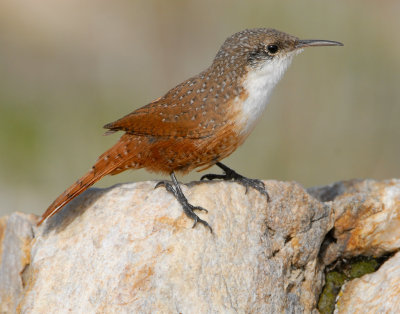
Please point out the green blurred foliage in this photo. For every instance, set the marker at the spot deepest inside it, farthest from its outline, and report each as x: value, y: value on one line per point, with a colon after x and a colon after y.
x: 68, y: 67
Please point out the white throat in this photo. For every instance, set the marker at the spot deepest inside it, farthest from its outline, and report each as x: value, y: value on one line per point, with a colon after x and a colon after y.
x: 259, y: 84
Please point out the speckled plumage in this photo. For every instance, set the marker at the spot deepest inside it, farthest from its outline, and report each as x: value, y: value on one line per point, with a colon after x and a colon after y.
x: 203, y: 119
x: 197, y: 123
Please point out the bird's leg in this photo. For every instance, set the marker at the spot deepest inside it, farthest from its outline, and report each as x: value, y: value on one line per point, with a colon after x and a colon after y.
x: 234, y: 176
x: 188, y: 208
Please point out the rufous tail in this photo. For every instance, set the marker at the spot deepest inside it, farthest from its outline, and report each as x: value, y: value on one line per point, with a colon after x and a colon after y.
x: 106, y: 164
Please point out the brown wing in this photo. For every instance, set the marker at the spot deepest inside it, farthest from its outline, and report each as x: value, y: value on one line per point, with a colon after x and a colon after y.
x: 185, y: 111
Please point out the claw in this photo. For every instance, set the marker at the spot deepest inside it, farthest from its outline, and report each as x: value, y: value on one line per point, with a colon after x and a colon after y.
x: 230, y: 174
x: 161, y: 183
x: 212, y: 176
x: 174, y: 188
x: 200, y: 208
x: 203, y: 177
x: 203, y: 222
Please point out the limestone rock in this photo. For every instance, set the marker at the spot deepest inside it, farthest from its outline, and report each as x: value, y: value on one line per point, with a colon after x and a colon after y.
x: 130, y: 248
x: 367, y: 218
x: 373, y: 293
x: 15, y: 244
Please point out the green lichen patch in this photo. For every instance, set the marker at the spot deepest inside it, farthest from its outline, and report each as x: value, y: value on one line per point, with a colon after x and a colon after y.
x: 342, y: 272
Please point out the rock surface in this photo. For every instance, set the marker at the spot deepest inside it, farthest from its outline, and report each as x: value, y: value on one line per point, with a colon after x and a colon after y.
x: 16, y: 234
x: 367, y: 223
x: 373, y: 293
x: 130, y: 248
x: 367, y: 218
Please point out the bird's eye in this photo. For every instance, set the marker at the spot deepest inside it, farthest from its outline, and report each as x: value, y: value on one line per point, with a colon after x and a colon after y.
x: 272, y: 49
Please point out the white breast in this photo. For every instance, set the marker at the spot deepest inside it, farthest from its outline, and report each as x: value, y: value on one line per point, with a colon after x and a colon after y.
x: 259, y: 84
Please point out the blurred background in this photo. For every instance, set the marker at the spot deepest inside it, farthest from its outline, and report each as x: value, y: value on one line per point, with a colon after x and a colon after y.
x: 67, y: 67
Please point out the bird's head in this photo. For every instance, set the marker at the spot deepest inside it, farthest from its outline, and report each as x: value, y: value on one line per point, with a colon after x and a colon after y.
x: 263, y: 48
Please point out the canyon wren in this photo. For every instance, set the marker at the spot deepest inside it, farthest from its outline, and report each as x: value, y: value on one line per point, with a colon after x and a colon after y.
x: 202, y: 120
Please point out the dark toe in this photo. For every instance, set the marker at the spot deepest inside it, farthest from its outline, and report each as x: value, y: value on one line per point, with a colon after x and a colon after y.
x: 199, y: 208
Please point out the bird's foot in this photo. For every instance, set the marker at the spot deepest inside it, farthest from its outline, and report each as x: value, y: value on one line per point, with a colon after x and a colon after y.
x: 231, y: 175
x: 187, y: 207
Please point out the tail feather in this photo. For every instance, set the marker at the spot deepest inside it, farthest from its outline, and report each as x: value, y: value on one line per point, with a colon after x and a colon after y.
x: 106, y: 164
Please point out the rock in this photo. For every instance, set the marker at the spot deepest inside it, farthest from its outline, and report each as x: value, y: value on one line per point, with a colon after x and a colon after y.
x: 373, y: 293
x: 367, y: 223
x: 15, y: 244
x: 367, y: 218
x: 130, y: 248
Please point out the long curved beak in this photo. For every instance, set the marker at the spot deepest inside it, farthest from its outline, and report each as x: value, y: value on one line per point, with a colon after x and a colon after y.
x: 316, y: 42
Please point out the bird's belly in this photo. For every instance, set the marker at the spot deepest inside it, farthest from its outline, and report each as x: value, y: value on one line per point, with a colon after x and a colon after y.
x: 185, y: 154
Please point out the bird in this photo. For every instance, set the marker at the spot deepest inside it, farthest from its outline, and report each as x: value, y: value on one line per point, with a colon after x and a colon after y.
x: 200, y: 121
